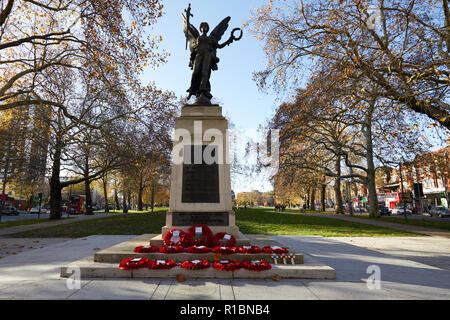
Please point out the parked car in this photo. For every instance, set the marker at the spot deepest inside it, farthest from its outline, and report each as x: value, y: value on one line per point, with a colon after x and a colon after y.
x: 401, y: 210
x: 440, y: 211
x: 9, y: 211
x: 35, y: 210
x: 384, y: 211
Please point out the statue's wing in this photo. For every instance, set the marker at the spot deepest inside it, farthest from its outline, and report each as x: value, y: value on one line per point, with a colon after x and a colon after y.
x: 218, y: 31
x: 190, y: 31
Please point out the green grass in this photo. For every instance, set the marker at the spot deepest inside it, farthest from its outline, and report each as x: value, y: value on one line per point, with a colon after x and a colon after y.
x: 259, y: 221
x: 7, y: 224
x: 442, y: 225
x: 127, y: 224
x: 250, y: 221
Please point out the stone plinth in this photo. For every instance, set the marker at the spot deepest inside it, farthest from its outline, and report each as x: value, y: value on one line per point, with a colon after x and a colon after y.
x: 200, y: 188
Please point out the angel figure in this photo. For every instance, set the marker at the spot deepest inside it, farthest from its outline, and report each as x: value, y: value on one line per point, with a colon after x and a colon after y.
x: 203, y: 54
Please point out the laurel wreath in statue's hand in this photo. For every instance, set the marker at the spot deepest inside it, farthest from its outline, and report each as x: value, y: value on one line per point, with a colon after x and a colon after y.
x: 234, y: 37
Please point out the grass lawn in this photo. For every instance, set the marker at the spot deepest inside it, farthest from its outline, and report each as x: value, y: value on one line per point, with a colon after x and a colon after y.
x: 131, y: 223
x: 443, y: 225
x: 259, y: 221
x: 7, y: 224
x: 250, y: 221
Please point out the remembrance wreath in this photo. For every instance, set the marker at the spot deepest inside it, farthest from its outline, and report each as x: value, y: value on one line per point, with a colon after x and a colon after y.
x: 198, y: 249
x: 134, y: 263
x: 256, y: 265
x: 161, y: 264
x: 275, y: 249
x: 219, y: 239
x: 248, y: 249
x: 226, y: 265
x: 206, y: 235
x: 168, y: 238
x: 224, y: 250
x: 195, y: 264
x: 146, y: 249
x: 171, y: 249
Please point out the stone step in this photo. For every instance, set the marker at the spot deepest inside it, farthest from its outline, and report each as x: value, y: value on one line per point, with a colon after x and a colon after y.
x: 311, y: 269
x: 240, y: 241
x: 105, y: 264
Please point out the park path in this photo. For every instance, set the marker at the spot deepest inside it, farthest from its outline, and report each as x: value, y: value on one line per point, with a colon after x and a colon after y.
x: 4, y: 232
x: 404, y: 227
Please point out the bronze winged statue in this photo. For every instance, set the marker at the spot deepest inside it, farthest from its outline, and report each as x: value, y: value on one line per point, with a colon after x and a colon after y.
x: 203, y: 54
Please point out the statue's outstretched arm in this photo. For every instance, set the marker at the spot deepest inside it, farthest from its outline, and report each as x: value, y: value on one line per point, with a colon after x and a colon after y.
x: 231, y: 39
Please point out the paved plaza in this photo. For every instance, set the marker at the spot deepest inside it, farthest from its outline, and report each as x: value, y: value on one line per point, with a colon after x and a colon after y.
x: 409, y: 268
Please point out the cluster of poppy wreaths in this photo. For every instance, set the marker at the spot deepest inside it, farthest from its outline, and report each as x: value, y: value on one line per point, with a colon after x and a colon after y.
x: 275, y: 250
x: 227, y: 265
x: 171, y: 249
x: 256, y: 265
x: 166, y: 264
x: 195, y: 264
x: 198, y: 249
x: 146, y: 249
x: 248, y: 249
x: 139, y: 263
x: 224, y: 250
x: 218, y: 249
x: 198, y: 235
x: 133, y: 263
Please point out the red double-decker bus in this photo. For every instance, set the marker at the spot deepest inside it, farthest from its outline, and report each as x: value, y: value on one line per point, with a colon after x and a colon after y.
x: 392, y: 200
x: 76, y: 204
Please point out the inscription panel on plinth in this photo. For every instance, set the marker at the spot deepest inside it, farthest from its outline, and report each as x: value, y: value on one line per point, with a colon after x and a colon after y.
x: 191, y: 218
x: 200, y: 183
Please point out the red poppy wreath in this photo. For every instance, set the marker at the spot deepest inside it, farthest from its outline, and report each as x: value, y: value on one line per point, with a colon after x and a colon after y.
x: 175, y: 237
x: 224, y: 239
x: 146, y: 249
x: 195, y: 264
x: 161, y: 264
x: 226, y: 265
x: 274, y: 249
x: 133, y: 263
x: 200, y: 235
x: 198, y: 249
x: 248, y: 249
x: 224, y: 250
x: 256, y: 265
x: 171, y: 249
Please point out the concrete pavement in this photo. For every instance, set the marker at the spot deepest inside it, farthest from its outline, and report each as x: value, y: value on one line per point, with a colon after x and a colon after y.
x: 406, y: 270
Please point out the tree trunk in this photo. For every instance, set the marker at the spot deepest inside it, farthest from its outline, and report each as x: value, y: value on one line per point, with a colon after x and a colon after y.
x: 116, y: 199
x: 124, y: 202
x: 55, y: 183
x: 337, y: 186
x: 371, y: 187
x: 313, y: 199
x: 153, y: 195
x: 105, y: 191
x: 323, y: 188
x: 140, y: 191
x: 308, y: 198
x: 87, y: 191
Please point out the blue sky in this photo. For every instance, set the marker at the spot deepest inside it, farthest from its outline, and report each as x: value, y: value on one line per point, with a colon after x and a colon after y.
x: 232, y: 85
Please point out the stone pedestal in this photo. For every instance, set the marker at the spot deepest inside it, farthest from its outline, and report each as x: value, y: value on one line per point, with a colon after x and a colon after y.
x: 200, y: 190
